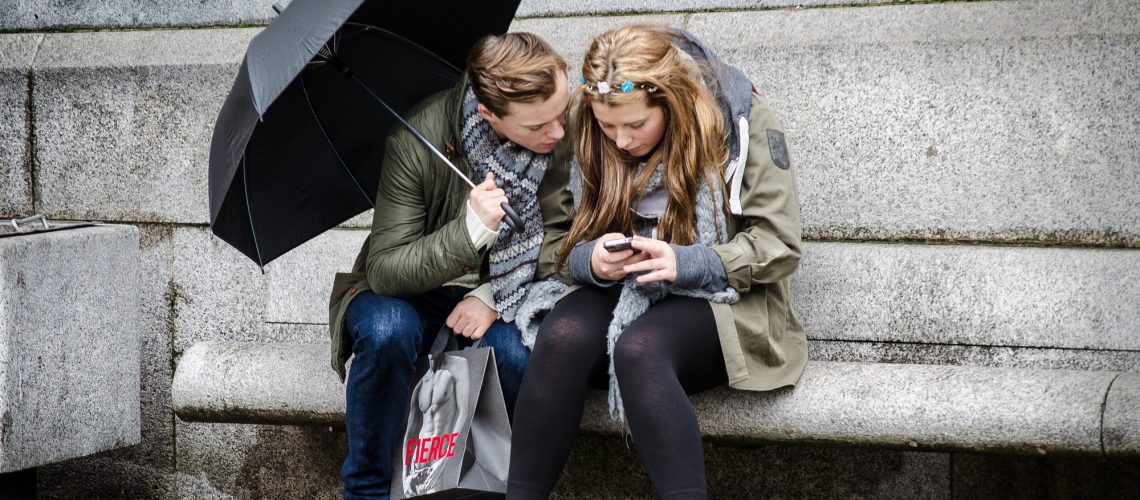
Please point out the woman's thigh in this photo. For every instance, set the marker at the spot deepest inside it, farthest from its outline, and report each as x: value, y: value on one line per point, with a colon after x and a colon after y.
x: 678, y: 333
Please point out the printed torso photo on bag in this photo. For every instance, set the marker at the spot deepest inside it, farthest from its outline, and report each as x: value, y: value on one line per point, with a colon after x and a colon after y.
x: 457, y: 438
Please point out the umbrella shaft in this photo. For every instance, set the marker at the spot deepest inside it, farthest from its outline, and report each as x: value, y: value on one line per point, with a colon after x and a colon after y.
x: 402, y: 121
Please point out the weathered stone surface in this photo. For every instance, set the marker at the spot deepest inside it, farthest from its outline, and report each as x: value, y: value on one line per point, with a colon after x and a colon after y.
x: 974, y: 295
x: 981, y: 121
x: 1122, y: 417
x: 16, y: 54
x: 53, y: 14
x: 144, y: 470
x: 1016, y: 478
x: 586, y: 7
x: 925, y: 407
x: 216, y: 293
x: 608, y: 467
x: 258, y: 383
x: 259, y: 461
x: 298, y: 283
x: 69, y: 344
x: 124, y: 119
x: 971, y: 355
x: 570, y: 37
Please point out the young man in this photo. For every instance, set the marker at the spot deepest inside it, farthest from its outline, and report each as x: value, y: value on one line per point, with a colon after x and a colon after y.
x: 438, y: 254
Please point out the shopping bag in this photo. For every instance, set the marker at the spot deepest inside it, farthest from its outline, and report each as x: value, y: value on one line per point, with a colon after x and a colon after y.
x: 457, y: 438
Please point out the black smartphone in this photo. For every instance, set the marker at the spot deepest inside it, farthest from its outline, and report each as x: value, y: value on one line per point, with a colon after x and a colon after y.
x: 619, y: 245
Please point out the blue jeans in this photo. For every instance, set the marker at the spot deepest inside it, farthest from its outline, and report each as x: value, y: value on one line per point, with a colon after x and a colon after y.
x: 388, y: 335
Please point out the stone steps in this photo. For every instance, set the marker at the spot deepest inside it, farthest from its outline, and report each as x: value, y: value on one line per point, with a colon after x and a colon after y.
x: 930, y: 126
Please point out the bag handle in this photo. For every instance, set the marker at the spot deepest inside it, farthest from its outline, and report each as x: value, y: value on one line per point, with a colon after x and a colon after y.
x: 446, y: 341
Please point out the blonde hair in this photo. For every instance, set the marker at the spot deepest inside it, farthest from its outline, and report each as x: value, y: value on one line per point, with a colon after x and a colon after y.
x: 692, y: 148
x: 513, y: 67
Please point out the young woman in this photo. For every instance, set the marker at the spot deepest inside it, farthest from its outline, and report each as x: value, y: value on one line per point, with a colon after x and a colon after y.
x: 675, y: 150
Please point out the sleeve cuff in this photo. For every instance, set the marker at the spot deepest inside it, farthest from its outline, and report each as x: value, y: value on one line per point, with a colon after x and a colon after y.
x: 486, y: 294
x: 481, y: 236
x: 699, y: 267
x: 580, y: 270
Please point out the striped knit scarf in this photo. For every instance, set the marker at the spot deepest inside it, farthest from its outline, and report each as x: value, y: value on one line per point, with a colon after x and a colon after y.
x: 518, y: 171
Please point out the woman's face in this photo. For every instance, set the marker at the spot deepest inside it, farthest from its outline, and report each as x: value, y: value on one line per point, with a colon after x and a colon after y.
x: 635, y: 128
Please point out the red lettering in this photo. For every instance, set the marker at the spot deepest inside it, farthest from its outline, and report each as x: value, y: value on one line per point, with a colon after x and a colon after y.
x: 421, y: 457
x: 408, y: 452
x: 451, y: 449
x: 436, y: 441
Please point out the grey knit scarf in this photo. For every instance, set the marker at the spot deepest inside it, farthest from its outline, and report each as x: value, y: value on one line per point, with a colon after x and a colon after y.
x: 518, y: 171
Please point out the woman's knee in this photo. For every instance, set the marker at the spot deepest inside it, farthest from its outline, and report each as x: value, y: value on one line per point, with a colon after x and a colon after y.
x: 637, y: 352
x: 567, y: 335
x: 379, y: 323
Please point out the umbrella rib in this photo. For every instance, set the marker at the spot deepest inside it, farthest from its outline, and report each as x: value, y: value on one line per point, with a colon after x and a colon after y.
x: 249, y: 211
x: 321, y: 126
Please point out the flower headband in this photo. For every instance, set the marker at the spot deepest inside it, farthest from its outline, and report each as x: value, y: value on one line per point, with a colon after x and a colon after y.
x: 603, y: 87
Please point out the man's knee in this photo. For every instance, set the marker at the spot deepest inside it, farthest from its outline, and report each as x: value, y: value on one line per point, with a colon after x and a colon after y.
x: 505, y: 339
x: 379, y: 323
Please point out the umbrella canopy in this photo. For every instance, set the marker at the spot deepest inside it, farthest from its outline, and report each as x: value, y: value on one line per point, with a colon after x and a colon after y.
x: 298, y: 144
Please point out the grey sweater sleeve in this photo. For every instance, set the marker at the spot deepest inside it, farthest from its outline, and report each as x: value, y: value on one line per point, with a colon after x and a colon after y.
x: 580, y: 270
x: 699, y: 267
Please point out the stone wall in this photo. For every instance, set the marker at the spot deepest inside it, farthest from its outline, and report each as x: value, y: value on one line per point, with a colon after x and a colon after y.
x: 967, y: 173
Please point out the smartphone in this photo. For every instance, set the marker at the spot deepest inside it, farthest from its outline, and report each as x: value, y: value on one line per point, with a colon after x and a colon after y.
x: 619, y: 245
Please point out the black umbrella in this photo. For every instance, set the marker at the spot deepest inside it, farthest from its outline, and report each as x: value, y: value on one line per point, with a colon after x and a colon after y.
x: 299, y: 140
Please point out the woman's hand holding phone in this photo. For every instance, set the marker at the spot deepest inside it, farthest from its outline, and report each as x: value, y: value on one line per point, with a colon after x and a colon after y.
x: 659, y: 263
x: 610, y: 264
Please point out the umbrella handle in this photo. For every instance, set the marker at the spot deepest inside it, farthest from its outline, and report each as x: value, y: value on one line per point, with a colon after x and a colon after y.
x: 513, y: 219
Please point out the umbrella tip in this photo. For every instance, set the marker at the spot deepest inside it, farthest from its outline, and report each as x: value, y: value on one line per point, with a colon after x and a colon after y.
x: 278, y: 8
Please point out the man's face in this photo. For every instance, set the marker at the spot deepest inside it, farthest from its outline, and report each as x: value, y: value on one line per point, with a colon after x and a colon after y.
x: 536, y: 126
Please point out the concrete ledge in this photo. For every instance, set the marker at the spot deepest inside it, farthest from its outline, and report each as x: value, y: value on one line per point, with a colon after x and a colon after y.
x: 1122, y: 417
x: 925, y: 407
x: 257, y: 383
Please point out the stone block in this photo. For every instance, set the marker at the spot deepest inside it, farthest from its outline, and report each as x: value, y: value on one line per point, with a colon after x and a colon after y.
x: 124, y: 120
x: 52, y: 15
x: 974, y: 295
x: 298, y: 283
x: 144, y: 470
x: 69, y: 344
x: 16, y: 55
x: 987, y: 121
x: 541, y: 8
x: 216, y: 292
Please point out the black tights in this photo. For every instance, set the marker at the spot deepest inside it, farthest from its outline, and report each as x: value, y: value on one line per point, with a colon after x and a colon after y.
x: 670, y: 351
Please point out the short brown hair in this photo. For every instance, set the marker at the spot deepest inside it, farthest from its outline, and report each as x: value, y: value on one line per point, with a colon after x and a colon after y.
x: 513, y: 67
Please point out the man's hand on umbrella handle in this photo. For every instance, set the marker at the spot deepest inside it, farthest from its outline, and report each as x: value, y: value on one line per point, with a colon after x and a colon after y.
x: 485, y: 200
x: 471, y: 318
